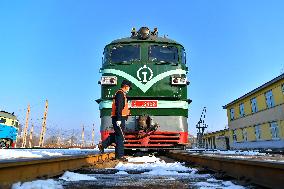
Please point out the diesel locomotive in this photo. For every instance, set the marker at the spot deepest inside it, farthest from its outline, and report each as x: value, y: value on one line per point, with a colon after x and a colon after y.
x: 8, y: 129
x: 158, y: 102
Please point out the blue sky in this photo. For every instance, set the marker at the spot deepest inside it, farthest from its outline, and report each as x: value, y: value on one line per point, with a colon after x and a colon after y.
x: 52, y: 50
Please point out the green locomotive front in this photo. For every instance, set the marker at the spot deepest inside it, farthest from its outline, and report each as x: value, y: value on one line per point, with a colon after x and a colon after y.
x: 158, y: 102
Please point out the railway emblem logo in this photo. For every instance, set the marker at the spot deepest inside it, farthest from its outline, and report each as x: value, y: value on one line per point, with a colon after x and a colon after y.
x: 144, y: 74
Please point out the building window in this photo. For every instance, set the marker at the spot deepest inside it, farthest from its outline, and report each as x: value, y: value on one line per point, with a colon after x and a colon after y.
x: 245, y: 135
x: 282, y: 86
x: 269, y: 99
x: 274, y: 130
x: 257, y: 131
x: 232, y: 113
x: 253, y: 103
x: 234, y: 135
x: 242, y: 109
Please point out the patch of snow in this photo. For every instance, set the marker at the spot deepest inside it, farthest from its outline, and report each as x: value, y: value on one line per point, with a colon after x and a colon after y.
x: 155, y: 167
x: 213, y: 180
x: 144, y: 159
x: 213, y: 183
x: 38, y: 184
x: 177, y: 166
x: 41, y: 153
x: 12, y: 154
x: 234, y: 152
x: 71, y: 176
x: 206, y: 185
x: 163, y: 172
x: 121, y: 173
x: 52, y: 153
x: 229, y: 184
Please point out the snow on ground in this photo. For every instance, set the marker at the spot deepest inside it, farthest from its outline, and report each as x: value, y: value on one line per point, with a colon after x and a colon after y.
x: 7, y: 154
x: 213, y: 183
x: 121, y: 173
x: 38, y: 184
x: 237, y: 152
x: 158, y: 164
x: 71, y: 176
x: 149, y: 166
x: 156, y: 167
x: 52, y: 184
x: 229, y: 152
x: 144, y: 159
x: 42, y: 153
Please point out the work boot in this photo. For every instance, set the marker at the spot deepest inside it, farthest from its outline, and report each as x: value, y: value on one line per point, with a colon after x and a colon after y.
x: 101, y: 148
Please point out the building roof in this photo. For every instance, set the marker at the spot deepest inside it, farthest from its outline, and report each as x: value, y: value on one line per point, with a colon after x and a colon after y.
x: 7, y: 115
x: 256, y: 90
x: 215, y: 132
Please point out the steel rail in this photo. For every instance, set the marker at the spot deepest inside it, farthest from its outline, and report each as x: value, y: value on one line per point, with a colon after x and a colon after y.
x: 263, y: 173
x: 12, y: 171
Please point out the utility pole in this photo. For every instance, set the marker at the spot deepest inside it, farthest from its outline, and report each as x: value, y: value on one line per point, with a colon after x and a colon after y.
x: 31, y: 136
x: 26, y: 127
x: 43, y: 129
x: 93, y: 135
x: 59, y: 140
x: 83, y: 137
x: 72, y: 138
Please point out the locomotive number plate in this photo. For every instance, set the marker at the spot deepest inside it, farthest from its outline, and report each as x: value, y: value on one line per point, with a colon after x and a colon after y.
x: 144, y: 103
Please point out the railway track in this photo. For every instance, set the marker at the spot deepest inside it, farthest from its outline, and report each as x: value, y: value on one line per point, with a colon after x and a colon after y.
x: 12, y: 171
x: 257, y: 171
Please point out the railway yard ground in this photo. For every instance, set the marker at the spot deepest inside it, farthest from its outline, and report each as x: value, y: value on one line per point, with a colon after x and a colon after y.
x: 87, y: 168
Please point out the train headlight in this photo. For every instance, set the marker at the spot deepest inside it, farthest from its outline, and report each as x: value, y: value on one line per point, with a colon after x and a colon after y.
x: 108, y: 80
x: 179, y: 80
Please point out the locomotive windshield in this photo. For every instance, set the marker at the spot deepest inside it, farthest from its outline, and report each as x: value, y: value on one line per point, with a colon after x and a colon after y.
x: 163, y: 54
x: 124, y: 53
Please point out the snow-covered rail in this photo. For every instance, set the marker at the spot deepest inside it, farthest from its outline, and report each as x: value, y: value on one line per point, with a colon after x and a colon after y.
x: 264, y: 172
x: 16, y: 170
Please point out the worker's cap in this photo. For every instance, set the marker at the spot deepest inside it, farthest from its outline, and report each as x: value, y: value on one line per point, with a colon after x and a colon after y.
x: 126, y: 82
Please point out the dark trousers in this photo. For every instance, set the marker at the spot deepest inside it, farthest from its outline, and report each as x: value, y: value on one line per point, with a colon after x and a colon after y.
x: 117, y: 137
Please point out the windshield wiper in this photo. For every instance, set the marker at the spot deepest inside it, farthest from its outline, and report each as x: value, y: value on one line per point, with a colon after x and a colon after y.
x: 123, y: 62
x: 165, y: 62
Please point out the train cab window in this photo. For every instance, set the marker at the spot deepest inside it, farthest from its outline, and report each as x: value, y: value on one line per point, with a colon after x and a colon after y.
x: 183, y: 56
x: 106, y: 56
x: 2, y: 120
x: 124, y: 53
x: 163, y: 54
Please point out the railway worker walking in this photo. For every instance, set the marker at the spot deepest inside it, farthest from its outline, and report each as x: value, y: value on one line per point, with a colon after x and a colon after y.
x: 119, y: 114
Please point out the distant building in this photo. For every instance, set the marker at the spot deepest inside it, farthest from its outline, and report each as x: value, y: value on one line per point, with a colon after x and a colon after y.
x: 256, y: 119
x: 217, y: 140
x: 192, y: 141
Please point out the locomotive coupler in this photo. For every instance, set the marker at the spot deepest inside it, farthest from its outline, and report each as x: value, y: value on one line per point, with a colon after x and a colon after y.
x: 146, y: 126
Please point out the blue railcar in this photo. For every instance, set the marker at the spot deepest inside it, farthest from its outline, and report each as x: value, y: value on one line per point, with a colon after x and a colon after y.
x: 8, y: 129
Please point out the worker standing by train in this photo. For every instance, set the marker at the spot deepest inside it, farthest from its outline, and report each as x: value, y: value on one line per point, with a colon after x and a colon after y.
x: 119, y: 114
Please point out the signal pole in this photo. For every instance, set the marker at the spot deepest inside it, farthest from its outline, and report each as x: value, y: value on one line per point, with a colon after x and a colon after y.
x: 93, y: 135
x: 26, y: 127
x: 83, y: 137
x: 201, y: 126
x: 58, y: 139
x: 43, y: 128
x: 31, y: 136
